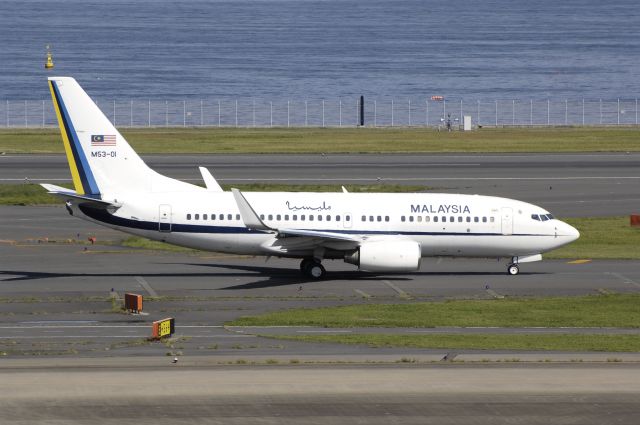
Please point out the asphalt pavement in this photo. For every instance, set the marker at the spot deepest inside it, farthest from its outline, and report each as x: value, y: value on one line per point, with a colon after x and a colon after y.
x: 591, y: 184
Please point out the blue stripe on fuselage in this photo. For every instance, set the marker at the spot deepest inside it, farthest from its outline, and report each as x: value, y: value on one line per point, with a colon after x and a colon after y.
x: 107, y: 218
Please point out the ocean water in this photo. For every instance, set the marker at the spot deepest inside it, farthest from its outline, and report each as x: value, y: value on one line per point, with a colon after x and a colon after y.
x: 470, y: 49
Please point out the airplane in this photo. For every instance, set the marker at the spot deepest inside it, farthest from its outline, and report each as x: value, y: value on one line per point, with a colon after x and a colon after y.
x: 377, y: 232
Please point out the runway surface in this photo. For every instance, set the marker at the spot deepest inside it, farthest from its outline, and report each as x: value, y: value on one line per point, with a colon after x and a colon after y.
x: 57, y: 291
x: 324, y: 395
x: 566, y: 184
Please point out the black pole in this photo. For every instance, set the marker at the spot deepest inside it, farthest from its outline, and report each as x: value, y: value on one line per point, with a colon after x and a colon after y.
x: 362, y: 111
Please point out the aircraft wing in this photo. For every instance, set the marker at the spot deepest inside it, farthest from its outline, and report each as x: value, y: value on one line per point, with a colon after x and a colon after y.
x: 253, y: 221
x: 66, y: 194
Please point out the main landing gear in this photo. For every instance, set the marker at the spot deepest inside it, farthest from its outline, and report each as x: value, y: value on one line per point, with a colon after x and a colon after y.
x: 312, y: 268
x: 513, y: 269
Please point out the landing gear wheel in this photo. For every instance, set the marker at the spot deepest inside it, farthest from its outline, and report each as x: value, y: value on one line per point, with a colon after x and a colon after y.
x: 513, y: 269
x: 306, y: 262
x: 313, y: 269
x: 316, y: 271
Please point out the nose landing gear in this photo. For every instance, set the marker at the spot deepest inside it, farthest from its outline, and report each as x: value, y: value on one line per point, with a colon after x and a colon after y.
x: 513, y: 269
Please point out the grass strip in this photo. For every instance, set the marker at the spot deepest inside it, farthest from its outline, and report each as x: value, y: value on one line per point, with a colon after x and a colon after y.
x: 555, y: 342
x: 144, y: 243
x: 27, y: 194
x: 34, y: 194
x: 344, y: 140
x: 616, y: 310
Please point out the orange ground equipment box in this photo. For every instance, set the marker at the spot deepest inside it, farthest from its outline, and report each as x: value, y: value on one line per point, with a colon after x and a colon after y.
x: 133, y: 302
x: 634, y: 220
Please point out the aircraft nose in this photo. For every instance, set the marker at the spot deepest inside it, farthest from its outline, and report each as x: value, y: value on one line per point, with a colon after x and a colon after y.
x: 570, y: 231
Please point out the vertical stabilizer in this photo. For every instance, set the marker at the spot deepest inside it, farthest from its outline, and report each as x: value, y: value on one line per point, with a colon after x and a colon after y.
x: 100, y: 159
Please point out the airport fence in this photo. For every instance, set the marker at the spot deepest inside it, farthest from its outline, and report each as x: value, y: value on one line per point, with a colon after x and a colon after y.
x: 381, y: 112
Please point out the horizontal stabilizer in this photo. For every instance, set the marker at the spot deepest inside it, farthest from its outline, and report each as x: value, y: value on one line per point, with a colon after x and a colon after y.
x: 68, y: 194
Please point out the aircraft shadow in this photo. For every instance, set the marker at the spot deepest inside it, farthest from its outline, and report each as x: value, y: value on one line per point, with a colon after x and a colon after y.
x: 268, y: 276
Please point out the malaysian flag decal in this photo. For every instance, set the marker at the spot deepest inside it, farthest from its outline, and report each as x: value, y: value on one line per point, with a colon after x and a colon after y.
x: 103, y: 140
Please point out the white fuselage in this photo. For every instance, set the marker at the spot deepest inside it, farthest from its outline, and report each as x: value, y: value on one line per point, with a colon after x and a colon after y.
x: 443, y: 224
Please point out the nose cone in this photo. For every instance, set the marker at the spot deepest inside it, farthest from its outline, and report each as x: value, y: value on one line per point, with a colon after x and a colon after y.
x: 568, y: 231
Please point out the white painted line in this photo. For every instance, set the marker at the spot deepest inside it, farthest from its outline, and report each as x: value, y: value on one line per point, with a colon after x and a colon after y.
x: 324, y: 332
x: 146, y: 286
x: 362, y: 293
x: 625, y: 279
x: 426, y: 178
x: 399, y: 291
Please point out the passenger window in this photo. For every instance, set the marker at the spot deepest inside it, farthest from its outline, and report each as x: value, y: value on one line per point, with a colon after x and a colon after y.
x: 444, y: 219
x: 348, y: 218
x: 237, y: 216
x: 310, y: 217
x: 204, y: 216
x: 435, y: 219
x: 328, y: 218
x: 468, y: 219
x: 319, y: 217
x: 213, y: 216
x: 370, y: 218
x: 364, y: 218
x: 411, y: 218
x: 197, y: 216
x: 261, y: 216
x: 286, y: 217
x: 460, y: 219
x: 419, y: 218
x: 229, y: 216
x: 402, y: 219
x: 492, y: 219
x: 338, y: 218
x: 270, y: 216
x: 475, y: 219
x: 278, y: 217
x: 295, y: 217
x: 302, y: 217
x: 484, y: 219
x: 188, y: 216
x: 427, y: 219
x: 452, y: 219
x: 379, y: 218
x: 221, y: 216
x: 386, y: 218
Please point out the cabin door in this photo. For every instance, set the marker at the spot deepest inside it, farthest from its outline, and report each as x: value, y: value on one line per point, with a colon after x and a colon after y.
x: 164, y: 218
x: 507, y: 221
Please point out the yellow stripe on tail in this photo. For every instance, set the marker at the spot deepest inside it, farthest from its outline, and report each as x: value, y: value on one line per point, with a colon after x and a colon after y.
x: 75, y: 175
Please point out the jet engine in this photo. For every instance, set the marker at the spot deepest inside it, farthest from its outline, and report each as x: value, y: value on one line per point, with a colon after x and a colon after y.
x: 386, y: 256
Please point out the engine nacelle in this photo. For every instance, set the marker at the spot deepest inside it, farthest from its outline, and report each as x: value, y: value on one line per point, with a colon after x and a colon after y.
x: 387, y: 256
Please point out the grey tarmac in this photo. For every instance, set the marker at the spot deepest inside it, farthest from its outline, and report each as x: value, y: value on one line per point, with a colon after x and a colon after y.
x: 593, y: 184
x: 300, y: 394
x: 56, y: 292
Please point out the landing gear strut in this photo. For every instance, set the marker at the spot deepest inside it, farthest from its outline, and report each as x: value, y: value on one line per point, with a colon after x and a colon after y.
x: 312, y: 268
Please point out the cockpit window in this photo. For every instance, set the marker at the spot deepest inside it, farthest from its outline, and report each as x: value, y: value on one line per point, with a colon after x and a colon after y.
x: 535, y: 217
x: 550, y: 216
x: 543, y: 217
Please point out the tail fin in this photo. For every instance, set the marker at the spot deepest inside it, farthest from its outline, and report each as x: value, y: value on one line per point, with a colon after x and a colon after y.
x: 100, y: 159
